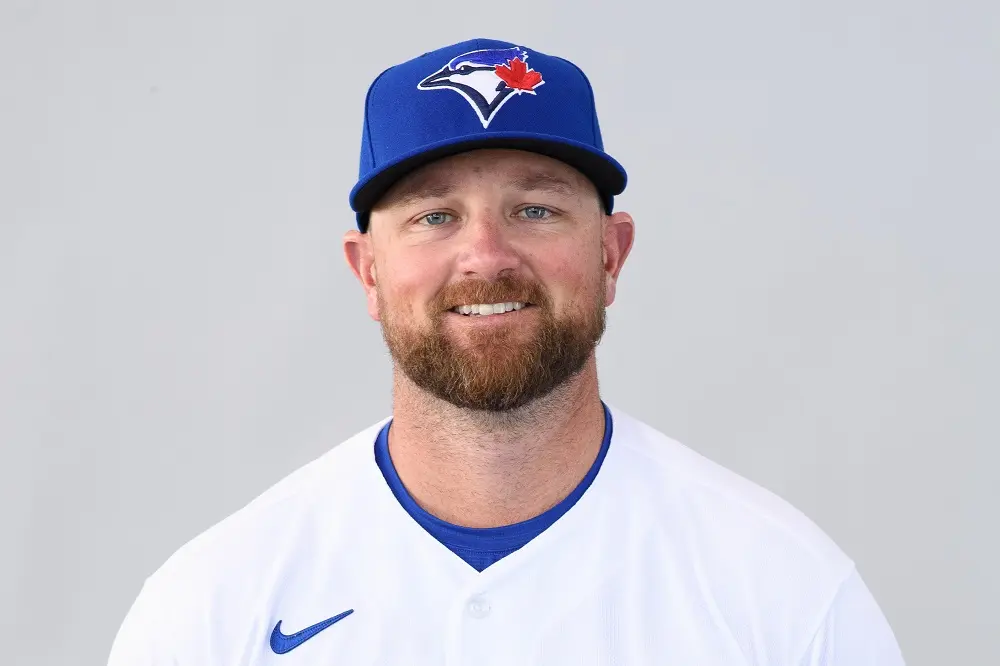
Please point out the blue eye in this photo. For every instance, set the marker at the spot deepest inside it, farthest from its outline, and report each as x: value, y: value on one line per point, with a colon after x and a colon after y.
x: 536, y: 212
x: 436, y: 219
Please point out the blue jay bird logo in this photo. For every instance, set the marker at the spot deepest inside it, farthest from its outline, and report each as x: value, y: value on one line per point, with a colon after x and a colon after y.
x: 486, y: 79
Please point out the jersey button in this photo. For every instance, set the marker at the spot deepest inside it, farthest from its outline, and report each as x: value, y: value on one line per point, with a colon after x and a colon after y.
x: 478, y: 607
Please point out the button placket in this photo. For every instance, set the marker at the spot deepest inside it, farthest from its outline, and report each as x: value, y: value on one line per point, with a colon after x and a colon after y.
x: 478, y: 607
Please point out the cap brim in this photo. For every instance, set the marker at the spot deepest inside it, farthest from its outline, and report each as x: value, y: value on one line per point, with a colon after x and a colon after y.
x: 603, y: 170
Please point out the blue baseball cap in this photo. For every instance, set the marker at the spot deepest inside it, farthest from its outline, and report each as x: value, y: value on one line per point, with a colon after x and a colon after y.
x: 480, y: 93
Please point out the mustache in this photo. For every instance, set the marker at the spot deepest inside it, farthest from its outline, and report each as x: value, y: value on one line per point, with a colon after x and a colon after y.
x: 504, y: 289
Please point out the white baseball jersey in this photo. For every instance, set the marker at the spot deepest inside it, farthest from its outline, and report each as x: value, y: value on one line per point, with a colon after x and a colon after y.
x: 667, y: 558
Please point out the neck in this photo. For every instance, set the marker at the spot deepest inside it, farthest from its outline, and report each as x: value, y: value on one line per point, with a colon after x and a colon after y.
x: 483, y: 469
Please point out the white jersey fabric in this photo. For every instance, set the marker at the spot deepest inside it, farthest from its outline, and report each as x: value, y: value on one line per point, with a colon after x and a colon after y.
x: 667, y: 558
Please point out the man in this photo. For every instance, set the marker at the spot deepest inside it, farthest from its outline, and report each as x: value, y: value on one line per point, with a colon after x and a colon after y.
x: 504, y: 514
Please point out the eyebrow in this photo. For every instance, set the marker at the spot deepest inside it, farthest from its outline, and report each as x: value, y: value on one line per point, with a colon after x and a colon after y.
x: 532, y: 181
x: 418, y: 191
x: 541, y: 182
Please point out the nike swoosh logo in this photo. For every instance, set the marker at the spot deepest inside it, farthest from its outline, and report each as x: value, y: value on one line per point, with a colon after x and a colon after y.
x: 281, y: 643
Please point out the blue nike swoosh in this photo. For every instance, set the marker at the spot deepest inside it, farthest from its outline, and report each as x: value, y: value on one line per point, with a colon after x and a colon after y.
x: 281, y: 643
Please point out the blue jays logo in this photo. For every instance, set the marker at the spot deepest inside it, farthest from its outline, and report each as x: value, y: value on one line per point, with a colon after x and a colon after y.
x: 486, y: 79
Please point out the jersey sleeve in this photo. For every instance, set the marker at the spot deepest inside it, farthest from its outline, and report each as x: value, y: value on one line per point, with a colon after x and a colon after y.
x: 854, y: 632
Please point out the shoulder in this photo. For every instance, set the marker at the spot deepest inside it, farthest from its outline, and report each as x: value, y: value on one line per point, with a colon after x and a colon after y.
x: 763, y: 566
x: 233, y: 564
x: 283, y: 508
x: 716, y: 499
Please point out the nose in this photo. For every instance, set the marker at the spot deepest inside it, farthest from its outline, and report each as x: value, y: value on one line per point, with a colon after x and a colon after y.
x: 487, y: 251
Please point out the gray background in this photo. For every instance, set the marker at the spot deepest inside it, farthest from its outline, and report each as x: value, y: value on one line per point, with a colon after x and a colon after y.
x: 811, y: 301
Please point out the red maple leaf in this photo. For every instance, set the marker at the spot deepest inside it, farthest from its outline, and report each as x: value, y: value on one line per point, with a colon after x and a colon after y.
x: 518, y: 76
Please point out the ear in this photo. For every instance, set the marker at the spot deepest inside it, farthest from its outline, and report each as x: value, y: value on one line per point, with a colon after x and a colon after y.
x: 619, y: 233
x: 361, y: 258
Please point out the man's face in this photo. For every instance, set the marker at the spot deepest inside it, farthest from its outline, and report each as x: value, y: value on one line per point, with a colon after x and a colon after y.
x: 490, y: 276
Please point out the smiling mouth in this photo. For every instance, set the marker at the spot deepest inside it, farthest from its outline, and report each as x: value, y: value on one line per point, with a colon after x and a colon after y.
x: 487, y: 309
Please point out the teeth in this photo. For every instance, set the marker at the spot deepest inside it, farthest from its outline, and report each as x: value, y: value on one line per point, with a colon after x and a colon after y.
x: 482, y: 309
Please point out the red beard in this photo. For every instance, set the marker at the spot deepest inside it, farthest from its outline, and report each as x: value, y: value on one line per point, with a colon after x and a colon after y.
x: 497, y: 371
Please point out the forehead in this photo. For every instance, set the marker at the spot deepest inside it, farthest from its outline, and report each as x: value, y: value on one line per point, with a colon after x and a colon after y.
x: 516, y: 168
